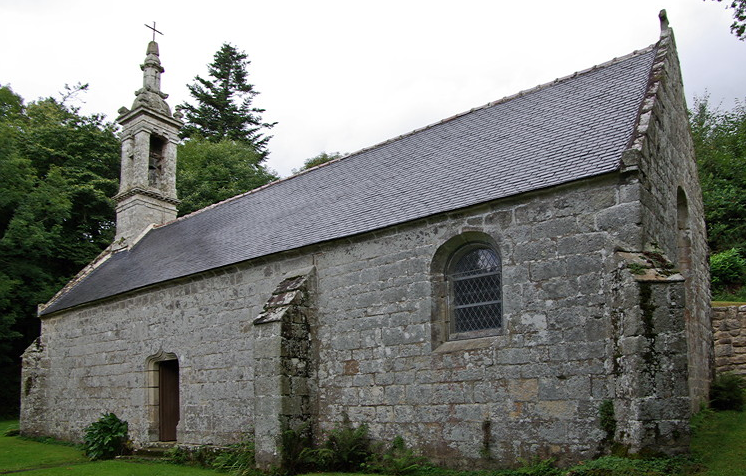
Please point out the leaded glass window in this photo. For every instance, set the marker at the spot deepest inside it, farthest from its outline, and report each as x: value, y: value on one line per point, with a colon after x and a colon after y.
x: 475, y: 292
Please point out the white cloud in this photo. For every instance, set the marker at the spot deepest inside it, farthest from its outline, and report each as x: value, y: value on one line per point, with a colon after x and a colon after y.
x: 341, y: 75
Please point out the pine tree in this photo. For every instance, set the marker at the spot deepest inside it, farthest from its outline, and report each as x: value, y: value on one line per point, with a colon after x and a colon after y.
x: 209, y: 172
x: 224, y: 109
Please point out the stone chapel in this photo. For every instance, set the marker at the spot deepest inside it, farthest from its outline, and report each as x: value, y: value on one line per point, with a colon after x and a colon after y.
x: 481, y: 286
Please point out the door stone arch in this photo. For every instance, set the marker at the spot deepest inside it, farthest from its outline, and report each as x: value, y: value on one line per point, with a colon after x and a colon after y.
x: 163, y: 403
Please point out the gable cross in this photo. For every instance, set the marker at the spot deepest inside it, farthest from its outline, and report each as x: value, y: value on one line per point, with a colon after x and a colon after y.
x: 154, y: 30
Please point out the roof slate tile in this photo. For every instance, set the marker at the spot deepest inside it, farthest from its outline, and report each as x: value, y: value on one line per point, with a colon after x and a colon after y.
x: 570, y: 129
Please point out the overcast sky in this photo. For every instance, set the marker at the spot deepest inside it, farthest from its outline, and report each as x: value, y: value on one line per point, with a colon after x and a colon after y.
x: 344, y: 75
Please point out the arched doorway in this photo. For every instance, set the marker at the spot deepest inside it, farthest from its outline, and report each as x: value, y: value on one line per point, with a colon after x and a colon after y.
x: 163, y: 396
x: 168, y: 398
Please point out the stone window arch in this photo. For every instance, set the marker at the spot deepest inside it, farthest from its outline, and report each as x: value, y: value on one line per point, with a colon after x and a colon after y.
x: 156, y: 154
x: 683, y: 237
x: 466, y: 275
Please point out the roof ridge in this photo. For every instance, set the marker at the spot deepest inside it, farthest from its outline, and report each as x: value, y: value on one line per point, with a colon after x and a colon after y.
x: 521, y: 93
x: 300, y: 214
x: 484, y: 106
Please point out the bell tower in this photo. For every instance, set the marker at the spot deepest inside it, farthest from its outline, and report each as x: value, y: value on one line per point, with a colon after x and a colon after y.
x: 147, y: 189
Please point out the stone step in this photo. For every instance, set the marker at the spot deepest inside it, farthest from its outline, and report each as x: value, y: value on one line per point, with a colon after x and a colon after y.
x: 155, y: 450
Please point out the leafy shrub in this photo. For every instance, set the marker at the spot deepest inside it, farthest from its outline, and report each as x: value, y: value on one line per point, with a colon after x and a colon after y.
x: 204, y: 456
x: 607, y: 419
x: 296, y: 450
x: 732, y: 295
x: 106, y: 438
x: 619, y: 466
x: 538, y: 467
x: 726, y: 392
x: 345, y: 449
x: 178, y: 455
x: 727, y: 268
x: 238, y: 459
x: 699, y: 419
x: 397, y: 459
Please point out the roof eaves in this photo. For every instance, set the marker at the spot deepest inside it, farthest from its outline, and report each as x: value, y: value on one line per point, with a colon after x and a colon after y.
x: 82, y: 274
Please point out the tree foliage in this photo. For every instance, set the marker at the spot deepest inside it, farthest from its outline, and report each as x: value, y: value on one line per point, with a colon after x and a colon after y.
x: 57, y: 170
x: 738, y: 27
x: 322, y: 158
x: 720, y: 146
x: 223, y: 107
x: 209, y: 172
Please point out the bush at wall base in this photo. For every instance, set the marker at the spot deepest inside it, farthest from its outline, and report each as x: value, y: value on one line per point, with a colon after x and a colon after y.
x: 106, y: 438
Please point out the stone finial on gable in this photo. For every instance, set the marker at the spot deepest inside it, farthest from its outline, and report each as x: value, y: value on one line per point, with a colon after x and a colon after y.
x: 663, y: 16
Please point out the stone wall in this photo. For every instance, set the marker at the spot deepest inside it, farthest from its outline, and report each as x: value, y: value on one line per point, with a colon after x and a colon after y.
x: 729, y: 335
x: 534, y: 389
x: 652, y: 405
x: 284, y: 365
x: 672, y: 208
x: 98, y: 359
x: 366, y: 342
x: 538, y: 386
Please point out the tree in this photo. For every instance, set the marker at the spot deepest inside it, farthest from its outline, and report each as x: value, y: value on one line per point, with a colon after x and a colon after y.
x: 57, y: 170
x: 738, y: 27
x: 720, y: 146
x: 223, y: 107
x: 322, y: 158
x: 209, y: 172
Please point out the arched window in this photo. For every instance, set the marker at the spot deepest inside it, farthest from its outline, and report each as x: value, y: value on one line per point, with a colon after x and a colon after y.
x: 684, y: 242
x: 475, y: 292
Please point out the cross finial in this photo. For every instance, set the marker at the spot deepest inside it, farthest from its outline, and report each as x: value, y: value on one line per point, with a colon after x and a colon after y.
x: 154, y: 30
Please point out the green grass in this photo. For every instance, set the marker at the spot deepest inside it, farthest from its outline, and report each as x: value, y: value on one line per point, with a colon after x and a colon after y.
x: 37, y: 459
x: 122, y: 468
x: 720, y: 443
x: 17, y: 453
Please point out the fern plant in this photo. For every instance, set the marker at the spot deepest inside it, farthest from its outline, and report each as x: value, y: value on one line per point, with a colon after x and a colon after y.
x: 238, y: 459
x: 397, y: 459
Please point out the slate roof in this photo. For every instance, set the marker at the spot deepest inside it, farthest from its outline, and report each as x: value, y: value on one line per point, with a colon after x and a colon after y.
x: 570, y: 129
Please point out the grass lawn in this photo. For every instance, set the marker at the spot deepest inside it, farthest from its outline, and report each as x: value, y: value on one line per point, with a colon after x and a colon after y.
x: 122, y: 468
x: 16, y: 453
x: 37, y: 459
x: 721, y: 444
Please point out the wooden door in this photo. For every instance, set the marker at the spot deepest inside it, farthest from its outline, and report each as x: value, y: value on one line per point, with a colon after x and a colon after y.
x: 168, y: 396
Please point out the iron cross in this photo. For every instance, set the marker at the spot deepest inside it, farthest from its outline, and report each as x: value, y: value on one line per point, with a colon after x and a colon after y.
x: 154, y: 30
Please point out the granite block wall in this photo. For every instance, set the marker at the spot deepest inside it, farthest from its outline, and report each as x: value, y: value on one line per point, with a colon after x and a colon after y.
x: 536, y: 386
x: 729, y: 336
x: 376, y: 344
x: 672, y: 210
